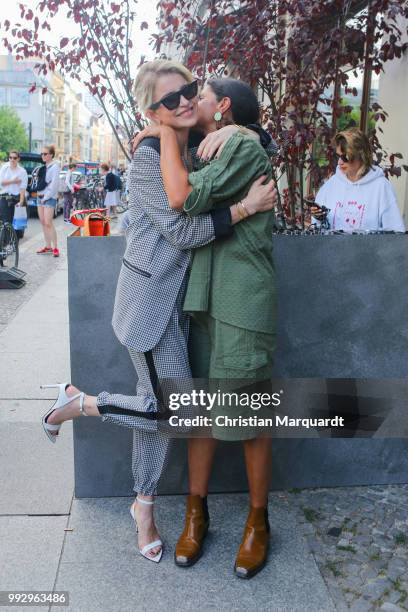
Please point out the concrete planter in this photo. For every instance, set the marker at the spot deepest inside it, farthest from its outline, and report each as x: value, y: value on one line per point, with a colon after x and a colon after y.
x: 342, y: 314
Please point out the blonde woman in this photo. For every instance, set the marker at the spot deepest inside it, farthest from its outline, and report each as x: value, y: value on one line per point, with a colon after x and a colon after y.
x: 358, y: 195
x: 47, y: 201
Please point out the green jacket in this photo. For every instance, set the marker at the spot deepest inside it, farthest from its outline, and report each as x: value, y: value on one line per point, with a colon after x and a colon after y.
x: 233, y: 279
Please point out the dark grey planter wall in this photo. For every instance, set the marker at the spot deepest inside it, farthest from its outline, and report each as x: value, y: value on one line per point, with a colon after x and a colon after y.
x: 342, y: 313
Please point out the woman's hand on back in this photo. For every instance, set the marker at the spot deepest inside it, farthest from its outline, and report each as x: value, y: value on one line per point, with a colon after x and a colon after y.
x: 152, y: 131
x: 213, y: 143
x: 262, y: 196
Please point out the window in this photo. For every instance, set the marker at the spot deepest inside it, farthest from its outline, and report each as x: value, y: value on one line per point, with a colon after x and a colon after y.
x: 20, y: 97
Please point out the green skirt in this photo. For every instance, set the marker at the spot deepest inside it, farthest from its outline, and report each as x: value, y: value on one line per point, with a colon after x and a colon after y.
x: 236, y: 364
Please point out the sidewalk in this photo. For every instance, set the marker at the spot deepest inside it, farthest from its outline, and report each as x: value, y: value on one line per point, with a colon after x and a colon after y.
x: 49, y: 540
x: 88, y: 546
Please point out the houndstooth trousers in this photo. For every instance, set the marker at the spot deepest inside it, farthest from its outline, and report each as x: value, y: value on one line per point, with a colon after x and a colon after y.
x: 151, y: 438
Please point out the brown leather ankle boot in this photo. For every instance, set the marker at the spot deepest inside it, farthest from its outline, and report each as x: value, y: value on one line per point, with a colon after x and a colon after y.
x: 190, y: 543
x: 253, y: 551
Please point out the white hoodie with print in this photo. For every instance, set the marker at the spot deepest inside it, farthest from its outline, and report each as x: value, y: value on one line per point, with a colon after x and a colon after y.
x: 366, y: 204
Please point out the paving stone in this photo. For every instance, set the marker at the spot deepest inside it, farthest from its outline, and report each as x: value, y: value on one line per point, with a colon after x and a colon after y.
x: 360, y: 605
x: 343, y: 542
x: 101, y: 568
x: 376, y: 588
x: 390, y: 607
x: 394, y: 572
x: 368, y: 573
x: 394, y: 597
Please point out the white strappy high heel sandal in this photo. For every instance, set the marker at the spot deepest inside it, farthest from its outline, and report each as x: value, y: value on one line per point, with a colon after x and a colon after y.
x: 143, y: 551
x: 61, y: 401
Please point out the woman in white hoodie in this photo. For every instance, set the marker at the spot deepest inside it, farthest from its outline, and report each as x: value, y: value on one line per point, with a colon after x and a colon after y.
x: 358, y: 195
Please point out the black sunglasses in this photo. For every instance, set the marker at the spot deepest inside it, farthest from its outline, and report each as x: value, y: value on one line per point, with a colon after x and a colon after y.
x: 172, y: 100
x: 343, y: 158
x: 12, y: 157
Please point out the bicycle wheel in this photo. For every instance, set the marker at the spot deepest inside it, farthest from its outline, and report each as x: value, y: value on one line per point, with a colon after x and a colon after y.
x: 94, y: 201
x: 124, y: 203
x: 8, y: 247
x: 98, y: 193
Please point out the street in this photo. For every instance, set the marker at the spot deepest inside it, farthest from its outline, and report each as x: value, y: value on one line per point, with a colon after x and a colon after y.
x: 37, y: 267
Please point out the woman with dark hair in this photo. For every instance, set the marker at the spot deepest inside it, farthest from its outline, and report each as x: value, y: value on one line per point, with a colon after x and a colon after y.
x: 13, y: 185
x: 110, y: 188
x: 231, y: 293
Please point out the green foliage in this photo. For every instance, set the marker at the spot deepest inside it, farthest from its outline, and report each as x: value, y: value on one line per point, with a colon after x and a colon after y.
x: 332, y: 566
x: 348, y: 548
x: 12, y: 132
x: 310, y: 514
x: 352, y: 119
x: 401, y: 538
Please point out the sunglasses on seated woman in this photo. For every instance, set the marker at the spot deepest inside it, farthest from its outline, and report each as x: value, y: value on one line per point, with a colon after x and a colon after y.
x: 343, y: 158
x: 172, y: 100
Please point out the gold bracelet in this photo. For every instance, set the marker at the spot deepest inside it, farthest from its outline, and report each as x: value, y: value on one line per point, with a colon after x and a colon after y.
x: 245, y: 208
x: 241, y: 215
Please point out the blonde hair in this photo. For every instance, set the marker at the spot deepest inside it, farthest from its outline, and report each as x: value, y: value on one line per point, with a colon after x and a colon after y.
x: 356, y: 146
x: 145, y: 82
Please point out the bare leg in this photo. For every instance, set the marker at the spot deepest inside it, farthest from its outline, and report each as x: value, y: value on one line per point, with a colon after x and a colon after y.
x: 144, y: 514
x: 40, y: 210
x: 258, y: 460
x: 147, y: 527
x: 49, y: 225
x: 71, y: 411
x: 200, y: 459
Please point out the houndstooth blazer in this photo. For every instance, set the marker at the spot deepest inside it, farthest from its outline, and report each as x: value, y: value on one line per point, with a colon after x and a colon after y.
x: 157, y: 254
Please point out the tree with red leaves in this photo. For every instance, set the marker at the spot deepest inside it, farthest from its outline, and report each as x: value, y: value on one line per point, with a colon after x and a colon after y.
x: 98, y: 54
x: 300, y: 55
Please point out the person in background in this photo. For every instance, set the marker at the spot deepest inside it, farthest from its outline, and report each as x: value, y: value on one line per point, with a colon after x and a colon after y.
x: 118, y: 187
x: 47, y: 201
x: 358, y: 195
x: 13, y: 185
x: 124, y: 222
x: 110, y: 188
x: 69, y: 192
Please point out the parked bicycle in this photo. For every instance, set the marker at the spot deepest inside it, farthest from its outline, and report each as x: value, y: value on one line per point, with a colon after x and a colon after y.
x: 124, y: 198
x: 90, y: 195
x: 8, y: 246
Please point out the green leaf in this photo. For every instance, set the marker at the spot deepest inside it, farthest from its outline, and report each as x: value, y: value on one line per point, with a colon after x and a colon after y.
x: 13, y: 133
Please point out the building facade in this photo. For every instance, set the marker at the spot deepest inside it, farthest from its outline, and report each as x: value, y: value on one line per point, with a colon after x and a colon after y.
x: 34, y: 109
x: 54, y: 113
x: 393, y: 90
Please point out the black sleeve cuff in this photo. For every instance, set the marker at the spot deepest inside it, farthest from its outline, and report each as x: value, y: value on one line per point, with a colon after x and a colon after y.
x: 221, y: 219
x: 264, y: 137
